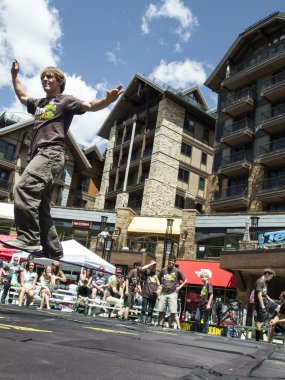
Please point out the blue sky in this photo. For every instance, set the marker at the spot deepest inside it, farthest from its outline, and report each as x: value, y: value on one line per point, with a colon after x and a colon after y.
x: 100, y: 43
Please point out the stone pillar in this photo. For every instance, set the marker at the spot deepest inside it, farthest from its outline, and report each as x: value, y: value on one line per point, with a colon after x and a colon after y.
x: 160, y: 187
x: 100, y: 199
x: 124, y: 217
x: 187, y: 247
x: 212, y: 186
x: 122, y: 200
x: 255, y: 178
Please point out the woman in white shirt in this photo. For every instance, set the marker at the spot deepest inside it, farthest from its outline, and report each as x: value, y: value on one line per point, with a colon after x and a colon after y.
x: 47, y: 281
x: 28, y: 280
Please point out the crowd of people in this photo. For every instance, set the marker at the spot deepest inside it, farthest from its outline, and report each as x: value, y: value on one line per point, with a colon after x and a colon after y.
x: 143, y: 286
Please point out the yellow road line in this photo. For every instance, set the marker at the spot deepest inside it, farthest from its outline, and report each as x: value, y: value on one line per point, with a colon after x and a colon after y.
x: 164, y: 332
x: 21, y: 328
x: 109, y: 331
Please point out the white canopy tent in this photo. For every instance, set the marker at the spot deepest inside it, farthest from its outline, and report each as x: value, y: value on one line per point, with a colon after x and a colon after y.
x: 76, y: 253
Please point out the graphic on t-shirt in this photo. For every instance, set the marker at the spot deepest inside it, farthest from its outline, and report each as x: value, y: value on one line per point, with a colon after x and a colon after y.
x: 152, y: 279
x: 47, y: 112
x: 170, y: 277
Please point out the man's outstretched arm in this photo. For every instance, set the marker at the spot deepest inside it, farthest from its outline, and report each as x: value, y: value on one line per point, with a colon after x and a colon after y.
x: 19, y: 91
x: 99, y: 104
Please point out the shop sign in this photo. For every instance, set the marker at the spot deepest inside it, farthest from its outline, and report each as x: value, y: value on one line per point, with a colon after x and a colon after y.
x: 80, y: 223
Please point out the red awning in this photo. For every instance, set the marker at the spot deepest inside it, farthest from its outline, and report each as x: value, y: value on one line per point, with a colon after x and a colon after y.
x: 6, y: 253
x: 217, y: 276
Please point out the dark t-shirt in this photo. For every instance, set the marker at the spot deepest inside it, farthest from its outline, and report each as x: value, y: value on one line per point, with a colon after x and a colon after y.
x: 149, y: 284
x: 206, y: 291
x: 282, y: 309
x: 83, y: 291
x: 260, y: 286
x: 170, y: 279
x: 53, y: 117
x: 134, y: 279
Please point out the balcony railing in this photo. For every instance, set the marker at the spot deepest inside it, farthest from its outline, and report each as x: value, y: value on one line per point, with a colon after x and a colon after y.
x: 237, y: 157
x: 174, y: 91
x: 273, y: 146
x: 147, y: 152
x: 237, y: 191
x: 273, y: 112
x: 268, y: 53
x: 238, y: 126
x: 246, y: 94
x: 204, y: 252
x: 274, y: 81
x: 273, y: 183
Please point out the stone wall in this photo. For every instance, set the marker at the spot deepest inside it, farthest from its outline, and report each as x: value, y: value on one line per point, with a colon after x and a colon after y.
x: 160, y: 187
x: 124, y: 217
x: 122, y: 200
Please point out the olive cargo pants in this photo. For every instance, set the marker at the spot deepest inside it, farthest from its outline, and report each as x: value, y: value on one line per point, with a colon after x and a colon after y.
x: 32, y: 200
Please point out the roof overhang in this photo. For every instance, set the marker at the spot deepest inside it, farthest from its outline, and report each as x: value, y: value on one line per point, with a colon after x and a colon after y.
x: 218, y: 75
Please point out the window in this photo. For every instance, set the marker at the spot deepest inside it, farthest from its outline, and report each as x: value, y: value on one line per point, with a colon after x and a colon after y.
x: 183, y: 175
x: 79, y: 203
x: 204, y: 158
x: 186, y: 149
x: 189, y: 125
x: 83, y: 183
x: 202, y: 183
x: 4, y: 179
x: 7, y: 150
x: 206, y: 136
x: 179, y: 201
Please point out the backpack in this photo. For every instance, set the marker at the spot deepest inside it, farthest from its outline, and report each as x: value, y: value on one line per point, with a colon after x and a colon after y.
x: 251, y: 297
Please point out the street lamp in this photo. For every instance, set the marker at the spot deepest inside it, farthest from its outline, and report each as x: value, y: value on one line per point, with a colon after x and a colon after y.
x: 254, y: 227
x: 168, y: 243
x: 107, y: 248
x: 103, y: 222
x: 184, y: 235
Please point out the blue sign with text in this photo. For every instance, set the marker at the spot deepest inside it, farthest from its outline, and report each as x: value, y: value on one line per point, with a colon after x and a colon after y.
x: 271, y: 238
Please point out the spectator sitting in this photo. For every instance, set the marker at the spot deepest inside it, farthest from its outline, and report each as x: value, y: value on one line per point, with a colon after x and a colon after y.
x: 28, y: 280
x: 86, y: 274
x: 59, y: 276
x: 47, y: 281
x: 113, y: 277
x: 277, y: 324
x: 100, y: 285
x: 116, y: 297
x: 83, y: 293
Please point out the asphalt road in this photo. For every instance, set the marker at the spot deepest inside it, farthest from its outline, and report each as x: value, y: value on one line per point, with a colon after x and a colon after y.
x: 57, y: 345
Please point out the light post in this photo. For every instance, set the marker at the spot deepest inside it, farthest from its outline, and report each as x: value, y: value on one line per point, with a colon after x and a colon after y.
x: 168, y: 243
x: 254, y: 227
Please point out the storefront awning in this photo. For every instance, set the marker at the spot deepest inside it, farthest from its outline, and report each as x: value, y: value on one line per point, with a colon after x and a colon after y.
x: 149, y: 225
x: 217, y: 276
x: 6, y: 253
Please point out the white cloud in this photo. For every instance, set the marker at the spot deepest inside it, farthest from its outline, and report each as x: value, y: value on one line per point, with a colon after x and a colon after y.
x: 177, y: 48
x: 180, y: 74
x: 31, y: 32
x: 112, y: 56
x: 173, y: 9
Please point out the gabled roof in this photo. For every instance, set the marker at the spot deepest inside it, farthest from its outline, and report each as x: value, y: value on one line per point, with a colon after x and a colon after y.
x: 122, y: 107
x: 94, y: 149
x: 195, y: 90
x: 244, y: 38
x: 75, y: 148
